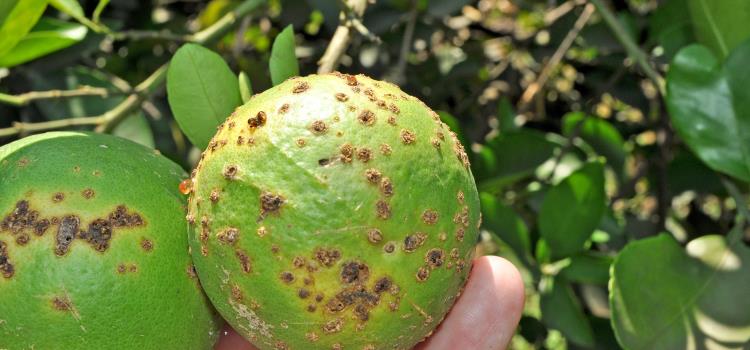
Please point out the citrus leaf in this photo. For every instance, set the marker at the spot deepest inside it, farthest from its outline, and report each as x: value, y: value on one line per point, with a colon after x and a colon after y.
x: 18, y: 22
x: 70, y: 7
x: 512, y: 156
x: 665, y: 297
x: 561, y: 311
x: 506, y: 224
x: 246, y: 87
x: 136, y: 128
x: 506, y: 115
x: 572, y: 209
x: 710, y: 107
x: 202, y: 91
x: 720, y: 25
x: 588, y: 267
x: 99, y: 9
x: 283, y: 63
x: 47, y: 36
x: 600, y: 134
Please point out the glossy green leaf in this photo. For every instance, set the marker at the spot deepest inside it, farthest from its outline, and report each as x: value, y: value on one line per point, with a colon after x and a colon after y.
x: 136, y: 128
x: 710, y: 107
x: 49, y: 35
x: 514, y: 155
x: 670, y: 27
x: 18, y: 22
x: 562, y: 311
x: 572, y: 209
x: 70, y: 7
x: 600, y: 134
x: 283, y: 63
x: 506, y: 224
x: 202, y: 92
x: 246, y: 87
x: 665, y: 297
x: 720, y: 24
x: 506, y: 115
x: 588, y: 267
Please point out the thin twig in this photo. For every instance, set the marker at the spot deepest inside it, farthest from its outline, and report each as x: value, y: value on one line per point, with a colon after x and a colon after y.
x: 107, y: 121
x: 541, y: 80
x: 630, y: 46
x: 341, y: 37
x: 554, y: 14
x: 150, y: 34
x: 398, y: 74
x: 28, y: 97
x: 736, y: 234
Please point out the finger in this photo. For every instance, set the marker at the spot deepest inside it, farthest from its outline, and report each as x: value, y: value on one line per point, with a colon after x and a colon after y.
x: 488, y: 311
x: 230, y: 340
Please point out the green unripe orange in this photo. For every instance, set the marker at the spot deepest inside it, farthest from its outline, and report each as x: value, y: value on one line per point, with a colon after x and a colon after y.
x: 93, y: 252
x: 333, y: 211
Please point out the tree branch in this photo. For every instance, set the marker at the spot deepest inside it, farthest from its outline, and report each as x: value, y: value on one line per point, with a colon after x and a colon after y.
x: 630, y: 46
x: 353, y: 11
x: 28, y: 97
x: 541, y: 80
x: 403, y: 56
x: 107, y: 121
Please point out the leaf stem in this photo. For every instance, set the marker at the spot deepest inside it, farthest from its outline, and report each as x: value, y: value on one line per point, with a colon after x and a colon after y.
x: 630, y: 46
x: 28, y: 97
x: 735, y: 235
x: 353, y: 10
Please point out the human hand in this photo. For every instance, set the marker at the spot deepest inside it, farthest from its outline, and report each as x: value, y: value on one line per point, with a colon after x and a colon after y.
x: 484, y: 317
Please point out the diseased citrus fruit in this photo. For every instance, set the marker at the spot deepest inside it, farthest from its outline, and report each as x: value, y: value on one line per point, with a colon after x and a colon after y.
x: 333, y: 211
x: 93, y: 250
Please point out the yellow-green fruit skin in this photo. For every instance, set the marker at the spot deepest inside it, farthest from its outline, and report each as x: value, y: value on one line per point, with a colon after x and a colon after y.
x: 333, y: 211
x: 121, y: 279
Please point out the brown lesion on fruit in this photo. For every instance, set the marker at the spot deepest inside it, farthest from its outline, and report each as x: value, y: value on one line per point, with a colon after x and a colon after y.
x: 347, y: 153
x: 300, y: 142
x: 228, y: 236
x: 430, y: 217
x: 383, y: 284
x: 312, y: 336
x: 434, y: 257
x: 262, y: 231
x: 382, y: 209
x: 237, y: 294
x: 62, y: 303
x: 460, y: 197
x: 300, y: 87
x: 364, y: 154
x: 394, y: 109
x: 214, y: 196
x: 88, y: 193
x: 147, y: 245
x: 389, y: 247
x: 354, y: 272
x: 373, y: 175
x: 392, y: 120
x: 367, y: 117
x: 20, y: 219
x: 414, y: 241
x: 381, y: 104
x: 258, y: 121
x: 341, y: 97
x: 284, y: 108
x: 333, y: 326
x: 123, y: 268
x: 303, y: 293
x: 191, y: 272
x: 374, y: 235
x: 299, y: 262
x: 385, y: 149
x: 230, y: 171
x: 22, y: 239
x: 270, y: 203
x: 351, y: 80
x: 6, y: 268
x: 274, y: 249
x: 435, y: 143
x: 327, y: 257
x: 459, y: 150
x: 244, y: 261
x: 205, y: 229
x: 240, y: 140
x: 408, y: 137
x: 460, y: 232
x: 318, y: 127
x: 66, y: 233
x: 58, y: 197
x: 286, y: 277
x: 423, y: 274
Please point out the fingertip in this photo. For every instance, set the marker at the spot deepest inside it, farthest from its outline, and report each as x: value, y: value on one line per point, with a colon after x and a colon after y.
x: 231, y: 340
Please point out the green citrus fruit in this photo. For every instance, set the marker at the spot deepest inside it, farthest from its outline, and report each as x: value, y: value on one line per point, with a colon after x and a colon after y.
x: 93, y: 252
x: 333, y: 211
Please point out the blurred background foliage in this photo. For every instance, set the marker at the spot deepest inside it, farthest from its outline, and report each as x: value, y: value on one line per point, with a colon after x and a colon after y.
x: 572, y: 144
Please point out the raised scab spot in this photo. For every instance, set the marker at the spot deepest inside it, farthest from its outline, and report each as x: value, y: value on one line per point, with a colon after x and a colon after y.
x: 300, y: 87
x: 354, y: 272
x: 327, y: 257
x: 6, y: 268
x: 286, y: 277
x: 230, y: 171
x: 244, y: 260
x: 228, y: 236
x: 383, y: 284
x: 284, y: 108
x: 301, y: 142
x: 385, y: 149
x: 460, y: 234
x: 454, y: 253
x: 394, y: 109
x: 270, y: 203
x: 373, y: 175
x: 341, y: 97
x: 214, y: 196
x: 460, y: 197
x: 303, y: 293
x: 414, y: 241
x: 88, y: 193
x: 389, y: 247
x: 66, y: 233
x: 299, y: 262
x: 374, y: 235
x: 382, y: 209
x: 386, y: 187
x: 408, y: 137
x: 257, y: 121
x: 364, y: 154
x: 318, y: 127
x: 367, y: 117
x: 58, y: 197
x: 237, y: 294
x: 434, y: 257
x: 333, y: 326
x: 62, y: 303
x: 347, y: 153
x: 147, y: 245
x: 430, y: 217
x: 423, y: 274
x: 392, y: 120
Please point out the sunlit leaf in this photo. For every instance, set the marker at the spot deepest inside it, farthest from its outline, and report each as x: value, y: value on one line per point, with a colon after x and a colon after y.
x: 49, y: 35
x: 21, y: 18
x: 283, y: 63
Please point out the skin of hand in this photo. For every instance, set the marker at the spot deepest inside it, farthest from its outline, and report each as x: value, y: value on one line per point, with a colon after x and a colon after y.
x: 484, y: 317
